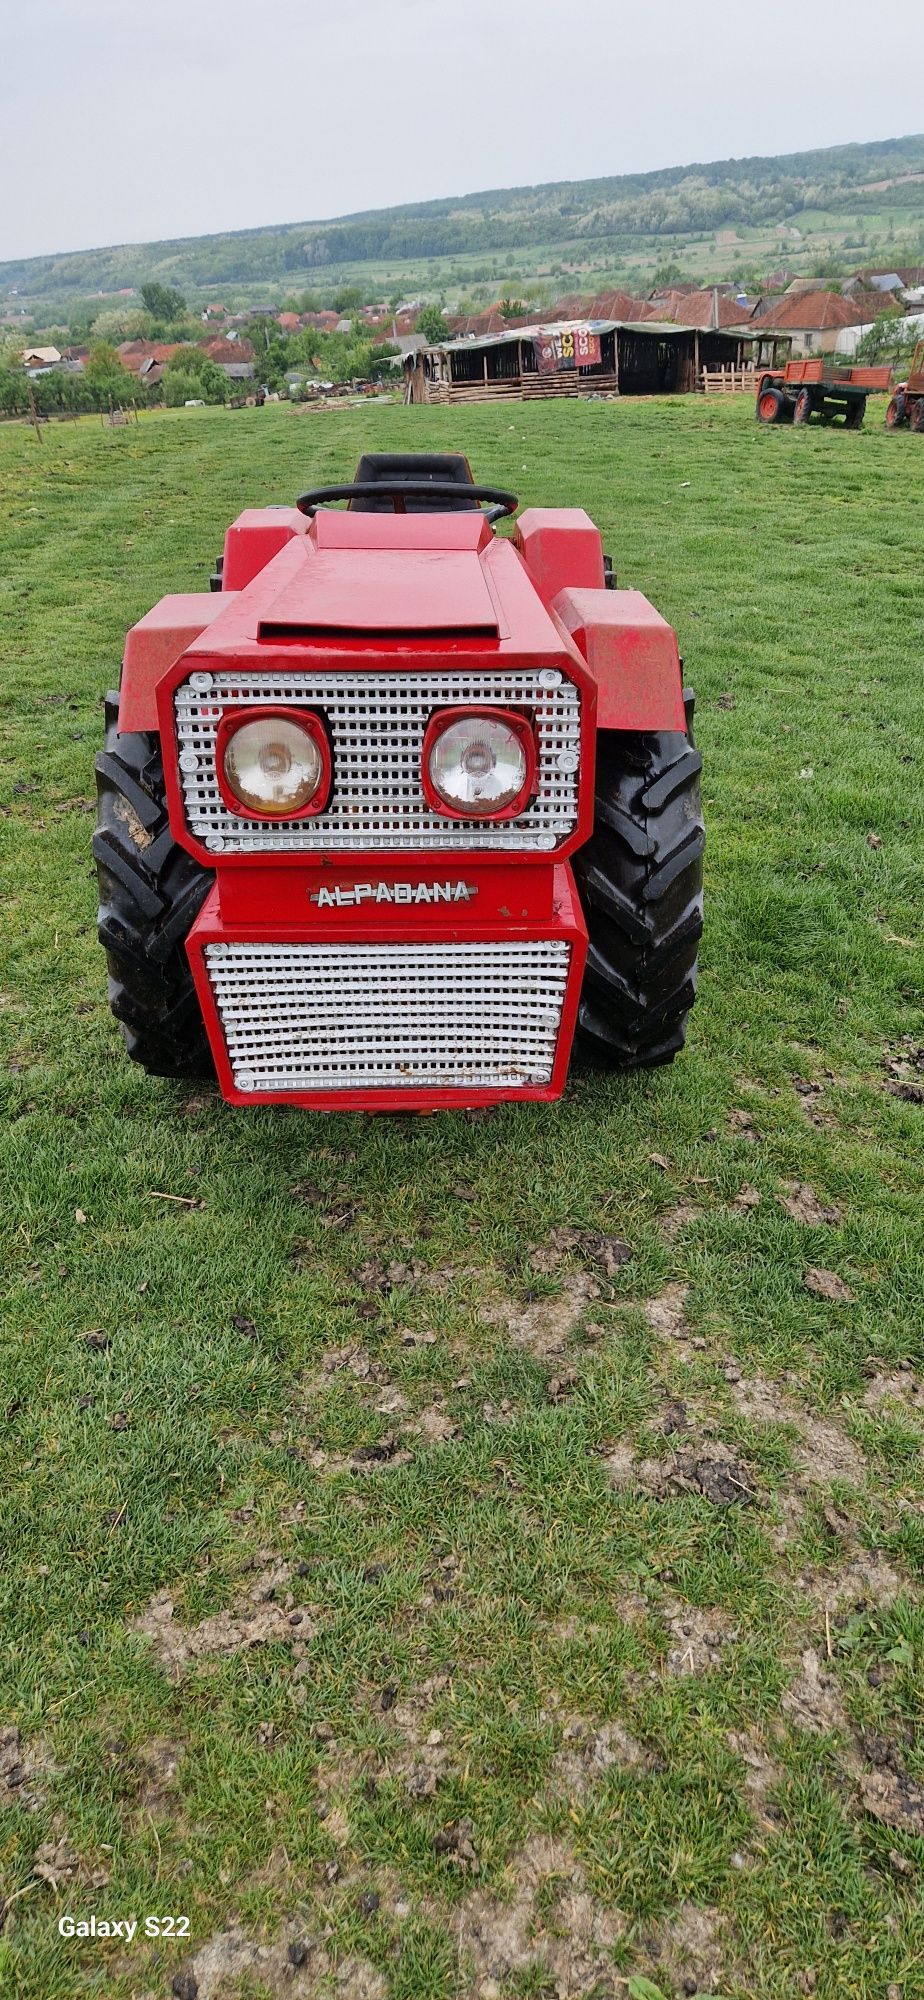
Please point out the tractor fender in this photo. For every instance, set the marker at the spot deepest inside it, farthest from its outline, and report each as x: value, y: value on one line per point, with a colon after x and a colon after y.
x: 632, y: 654
x: 560, y: 546
x: 255, y: 538
x: 154, y: 645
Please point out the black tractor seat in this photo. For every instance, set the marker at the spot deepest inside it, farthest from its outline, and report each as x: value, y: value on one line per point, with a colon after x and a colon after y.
x: 397, y: 468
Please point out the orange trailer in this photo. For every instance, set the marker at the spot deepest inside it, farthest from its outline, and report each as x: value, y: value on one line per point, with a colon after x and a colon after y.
x: 805, y: 389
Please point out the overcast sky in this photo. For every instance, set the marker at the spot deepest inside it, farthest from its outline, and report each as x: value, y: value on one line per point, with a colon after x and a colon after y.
x: 122, y: 123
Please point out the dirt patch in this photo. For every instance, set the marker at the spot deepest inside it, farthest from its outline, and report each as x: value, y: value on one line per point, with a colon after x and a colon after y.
x: 24, y: 1771
x: 666, y: 1313
x: 57, y: 1864
x: 824, y: 1452
x: 801, y: 1204
x: 419, y: 1754
x: 810, y: 1094
x: 287, y: 1966
x: 685, y: 1950
x: 762, y: 1774
x: 866, y: 1578
x: 588, y: 1749
x: 548, y: 1926
x: 896, y: 1385
x: 159, y: 1762
x: 813, y: 1702
x: 681, y: 1217
x: 602, y: 1253
x: 544, y: 1324
x: 356, y: 1363
x: 140, y: 836
x: 697, y: 1638
x: 433, y: 1426
x: 705, y: 1468
x: 894, y: 1798
x: 714, y: 1472
x: 268, y: 1613
x: 827, y: 1285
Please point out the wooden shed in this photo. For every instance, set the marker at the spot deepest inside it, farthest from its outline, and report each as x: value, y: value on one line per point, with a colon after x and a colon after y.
x: 579, y: 358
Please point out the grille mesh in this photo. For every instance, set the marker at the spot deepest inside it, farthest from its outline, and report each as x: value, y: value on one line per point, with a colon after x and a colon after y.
x: 376, y: 724
x: 389, y: 1016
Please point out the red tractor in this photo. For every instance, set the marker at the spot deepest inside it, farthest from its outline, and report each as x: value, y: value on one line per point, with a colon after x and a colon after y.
x: 907, y: 404
x: 401, y: 808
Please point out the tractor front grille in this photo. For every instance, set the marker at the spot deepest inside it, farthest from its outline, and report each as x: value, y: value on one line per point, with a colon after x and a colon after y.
x: 329, y: 1017
x: 376, y: 723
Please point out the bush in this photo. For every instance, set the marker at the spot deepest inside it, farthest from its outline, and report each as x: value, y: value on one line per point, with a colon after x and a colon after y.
x: 192, y: 364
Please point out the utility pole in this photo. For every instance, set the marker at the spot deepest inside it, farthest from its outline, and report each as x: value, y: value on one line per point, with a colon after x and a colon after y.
x: 34, y: 418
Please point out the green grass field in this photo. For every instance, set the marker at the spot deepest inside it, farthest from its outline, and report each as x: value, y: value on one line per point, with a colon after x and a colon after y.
x: 414, y: 1600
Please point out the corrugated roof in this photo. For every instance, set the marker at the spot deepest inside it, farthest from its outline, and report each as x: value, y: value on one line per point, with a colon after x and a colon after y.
x: 536, y: 329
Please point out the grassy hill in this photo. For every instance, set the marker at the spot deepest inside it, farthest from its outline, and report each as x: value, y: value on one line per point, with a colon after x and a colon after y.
x: 358, y: 1530
x: 726, y: 215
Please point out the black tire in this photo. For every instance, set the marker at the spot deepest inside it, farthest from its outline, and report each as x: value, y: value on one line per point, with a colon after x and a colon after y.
x: 803, y: 407
x: 855, y: 413
x: 916, y: 414
x: 896, y: 412
x: 150, y: 890
x: 640, y: 880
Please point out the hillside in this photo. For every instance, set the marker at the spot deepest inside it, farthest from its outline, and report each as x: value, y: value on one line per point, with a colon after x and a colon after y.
x: 845, y: 198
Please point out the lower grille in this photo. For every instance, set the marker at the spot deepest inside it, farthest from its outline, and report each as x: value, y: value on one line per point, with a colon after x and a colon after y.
x: 320, y: 1017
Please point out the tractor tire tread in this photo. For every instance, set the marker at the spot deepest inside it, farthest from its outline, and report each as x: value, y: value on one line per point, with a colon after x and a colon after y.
x: 640, y: 882
x: 150, y: 893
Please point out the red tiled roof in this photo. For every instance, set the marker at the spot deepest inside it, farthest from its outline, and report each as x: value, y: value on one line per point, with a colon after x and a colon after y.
x: 819, y: 312
x: 697, y: 309
x: 617, y: 305
x: 224, y: 351
x: 134, y: 352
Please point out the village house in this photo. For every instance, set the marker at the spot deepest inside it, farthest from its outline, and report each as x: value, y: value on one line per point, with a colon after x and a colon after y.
x: 810, y: 321
x: 37, y: 360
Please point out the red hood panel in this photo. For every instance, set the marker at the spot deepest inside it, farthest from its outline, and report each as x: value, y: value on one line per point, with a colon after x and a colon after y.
x: 413, y: 593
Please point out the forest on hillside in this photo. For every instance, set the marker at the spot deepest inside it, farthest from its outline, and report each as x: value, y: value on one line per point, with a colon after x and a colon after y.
x: 884, y: 176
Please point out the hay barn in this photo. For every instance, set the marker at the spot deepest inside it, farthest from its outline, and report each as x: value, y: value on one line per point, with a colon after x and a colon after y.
x: 581, y: 358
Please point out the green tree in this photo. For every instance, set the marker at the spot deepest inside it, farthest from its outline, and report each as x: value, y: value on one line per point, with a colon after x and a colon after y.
x: 163, y: 302
x: 182, y: 387
x: 192, y: 364
x: 122, y: 323
x: 107, y: 379
x: 665, y: 275
x: 432, y: 325
x: 889, y: 339
x: 14, y: 394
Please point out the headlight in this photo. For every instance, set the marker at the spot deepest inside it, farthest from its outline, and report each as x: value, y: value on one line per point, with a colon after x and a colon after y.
x: 479, y: 763
x: 272, y: 766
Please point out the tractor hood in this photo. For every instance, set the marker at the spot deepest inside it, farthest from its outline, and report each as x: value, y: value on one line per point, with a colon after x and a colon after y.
x: 367, y: 580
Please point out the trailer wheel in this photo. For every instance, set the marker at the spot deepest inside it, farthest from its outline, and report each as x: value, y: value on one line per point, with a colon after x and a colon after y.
x: 803, y: 408
x: 855, y: 413
x: 896, y: 413
x: 770, y: 404
x: 640, y: 879
x: 150, y: 890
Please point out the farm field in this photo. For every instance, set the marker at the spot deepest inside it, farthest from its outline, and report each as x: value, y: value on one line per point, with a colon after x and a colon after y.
x: 481, y: 1557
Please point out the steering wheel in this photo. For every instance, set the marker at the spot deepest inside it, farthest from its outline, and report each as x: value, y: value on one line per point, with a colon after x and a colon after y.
x: 398, y: 491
